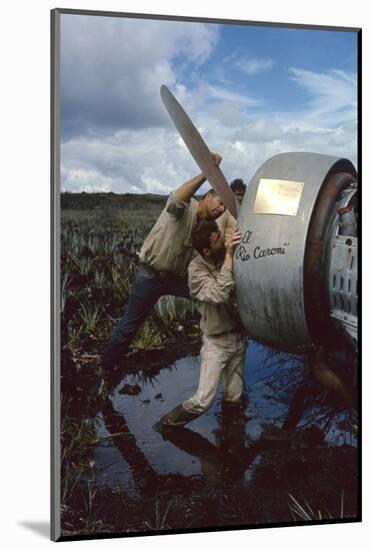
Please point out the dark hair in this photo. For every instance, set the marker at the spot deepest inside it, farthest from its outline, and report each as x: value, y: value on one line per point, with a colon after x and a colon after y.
x: 238, y: 185
x: 201, y: 232
x: 211, y: 191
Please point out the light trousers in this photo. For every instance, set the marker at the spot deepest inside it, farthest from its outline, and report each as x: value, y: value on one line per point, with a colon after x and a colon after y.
x: 222, y: 359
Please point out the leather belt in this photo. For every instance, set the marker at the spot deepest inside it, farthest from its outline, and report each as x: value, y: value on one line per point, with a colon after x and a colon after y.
x: 151, y: 269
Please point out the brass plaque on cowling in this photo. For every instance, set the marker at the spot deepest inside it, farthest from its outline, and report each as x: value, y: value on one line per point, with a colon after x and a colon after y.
x: 278, y: 197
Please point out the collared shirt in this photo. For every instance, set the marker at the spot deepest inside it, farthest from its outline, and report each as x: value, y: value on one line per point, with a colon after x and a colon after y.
x: 227, y: 224
x: 168, y: 247
x: 212, y: 288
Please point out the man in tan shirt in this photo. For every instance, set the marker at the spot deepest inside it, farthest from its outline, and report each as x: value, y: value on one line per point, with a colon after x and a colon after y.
x: 211, y: 285
x: 163, y: 260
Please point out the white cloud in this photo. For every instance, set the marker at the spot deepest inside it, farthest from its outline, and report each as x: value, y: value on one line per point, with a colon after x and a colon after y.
x: 146, y: 161
x: 261, y: 130
x: 156, y: 160
x: 254, y: 66
x: 84, y: 179
x: 112, y: 69
x: 140, y: 150
x: 332, y: 95
x: 224, y: 94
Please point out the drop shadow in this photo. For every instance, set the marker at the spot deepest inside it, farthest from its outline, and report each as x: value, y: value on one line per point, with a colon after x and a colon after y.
x: 42, y: 528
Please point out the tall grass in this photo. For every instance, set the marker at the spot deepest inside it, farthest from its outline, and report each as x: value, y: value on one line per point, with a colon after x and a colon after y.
x: 171, y: 309
x: 77, y: 443
x: 99, y: 256
x: 302, y: 511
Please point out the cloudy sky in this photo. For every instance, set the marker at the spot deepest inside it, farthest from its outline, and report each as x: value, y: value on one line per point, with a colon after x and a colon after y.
x: 251, y: 91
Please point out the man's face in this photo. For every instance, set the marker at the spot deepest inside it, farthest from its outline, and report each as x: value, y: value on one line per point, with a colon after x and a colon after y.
x: 239, y: 195
x: 217, y: 246
x: 214, y: 206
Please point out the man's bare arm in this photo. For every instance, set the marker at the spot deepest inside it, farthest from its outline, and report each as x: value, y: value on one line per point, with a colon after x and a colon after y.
x: 230, y: 245
x: 189, y: 188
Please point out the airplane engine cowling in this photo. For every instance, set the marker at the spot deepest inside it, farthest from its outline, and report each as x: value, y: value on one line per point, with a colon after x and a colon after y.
x: 296, y: 267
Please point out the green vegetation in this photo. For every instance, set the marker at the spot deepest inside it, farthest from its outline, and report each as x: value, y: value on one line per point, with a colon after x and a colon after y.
x: 303, y: 511
x: 110, y: 201
x: 101, y: 235
x: 77, y: 444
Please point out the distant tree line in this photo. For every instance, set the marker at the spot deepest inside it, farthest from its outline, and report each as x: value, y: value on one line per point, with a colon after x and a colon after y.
x: 126, y: 201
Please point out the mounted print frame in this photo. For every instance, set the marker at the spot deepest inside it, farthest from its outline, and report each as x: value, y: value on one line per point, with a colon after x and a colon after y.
x: 205, y: 214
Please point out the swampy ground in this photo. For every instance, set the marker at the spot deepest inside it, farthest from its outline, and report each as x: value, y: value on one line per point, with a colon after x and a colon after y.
x: 287, y: 455
x: 230, y: 467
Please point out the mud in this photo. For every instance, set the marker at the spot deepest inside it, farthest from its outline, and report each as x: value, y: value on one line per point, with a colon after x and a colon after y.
x: 233, y: 466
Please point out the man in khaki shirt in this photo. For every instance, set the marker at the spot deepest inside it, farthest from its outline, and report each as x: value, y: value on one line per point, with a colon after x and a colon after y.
x: 163, y: 260
x: 223, y: 341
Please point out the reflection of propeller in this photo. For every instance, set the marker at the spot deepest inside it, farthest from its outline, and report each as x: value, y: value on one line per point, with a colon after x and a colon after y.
x: 199, y: 150
x: 130, y: 450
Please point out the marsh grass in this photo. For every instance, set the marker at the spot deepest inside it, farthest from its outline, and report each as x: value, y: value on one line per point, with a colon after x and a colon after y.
x: 90, y: 315
x: 304, y: 512
x: 159, y: 521
x: 148, y: 337
x: 99, y: 256
x: 171, y: 310
x: 65, y: 281
x: 78, y: 440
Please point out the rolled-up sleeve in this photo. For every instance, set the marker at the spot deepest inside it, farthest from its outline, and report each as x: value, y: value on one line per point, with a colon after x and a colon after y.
x: 205, y: 287
x: 227, y: 224
x: 176, y: 207
x: 230, y: 226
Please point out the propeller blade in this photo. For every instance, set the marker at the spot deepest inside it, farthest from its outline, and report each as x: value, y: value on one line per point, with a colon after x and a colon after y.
x: 199, y: 150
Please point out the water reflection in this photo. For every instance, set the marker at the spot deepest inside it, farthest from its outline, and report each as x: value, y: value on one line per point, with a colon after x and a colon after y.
x: 225, y: 460
x: 220, y: 446
x: 234, y: 465
x: 143, y: 473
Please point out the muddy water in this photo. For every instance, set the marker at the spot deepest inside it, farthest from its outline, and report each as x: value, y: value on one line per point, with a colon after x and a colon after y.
x: 227, y: 451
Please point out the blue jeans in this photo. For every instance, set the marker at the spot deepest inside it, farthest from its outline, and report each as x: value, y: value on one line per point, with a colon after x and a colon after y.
x: 149, y: 285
